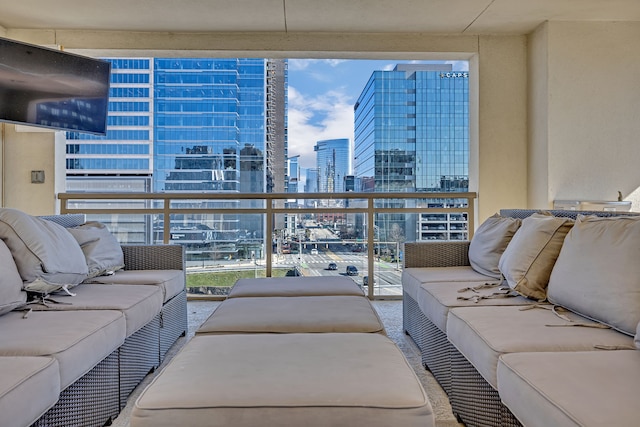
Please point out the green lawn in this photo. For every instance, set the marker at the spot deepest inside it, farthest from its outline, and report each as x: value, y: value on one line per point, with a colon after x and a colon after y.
x: 227, y: 278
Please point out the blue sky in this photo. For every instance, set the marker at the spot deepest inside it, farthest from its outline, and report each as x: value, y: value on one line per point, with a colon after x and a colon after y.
x: 322, y: 93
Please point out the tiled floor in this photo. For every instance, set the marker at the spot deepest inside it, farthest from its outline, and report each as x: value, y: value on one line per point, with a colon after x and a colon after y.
x: 391, y: 314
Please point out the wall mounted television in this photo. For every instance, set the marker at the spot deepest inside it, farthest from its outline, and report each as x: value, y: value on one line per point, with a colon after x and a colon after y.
x: 53, y: 89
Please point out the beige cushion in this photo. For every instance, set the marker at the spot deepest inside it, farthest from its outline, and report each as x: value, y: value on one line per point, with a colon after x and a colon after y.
x: 29, y: 387
x: 11, y: 293
x: 79, y: 339
x: 637, y: 337
x: 436, y: 299
x: 101, y: 249
x: 46, y: 254
x: 482, y: 334
x: 597, y: 273
x: 139, y: 304
x: 295, y: 286
x: 413, y: 278
x: 294, y: 314
x: 489, y: 242
x: 309, y: 380
x: 527, y: 262
x: 568, y: 389
x: 172, y: 282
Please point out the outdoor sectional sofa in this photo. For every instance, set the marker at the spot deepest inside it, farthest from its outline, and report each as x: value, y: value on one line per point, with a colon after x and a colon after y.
x: 533, y: 321
x: 82, y: 319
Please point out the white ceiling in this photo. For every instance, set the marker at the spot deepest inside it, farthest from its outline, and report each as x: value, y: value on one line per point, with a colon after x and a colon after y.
x: 406, y: 16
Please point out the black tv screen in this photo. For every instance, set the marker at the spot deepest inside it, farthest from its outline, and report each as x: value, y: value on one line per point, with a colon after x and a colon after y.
x: 53, y: 89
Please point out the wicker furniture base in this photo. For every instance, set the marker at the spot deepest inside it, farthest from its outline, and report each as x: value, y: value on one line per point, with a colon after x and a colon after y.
x: 473, y: 400
x: 138, y: 356
x: 436, y: 354
x: 93, y: 400
x: 413, y: 320
x: 173, y: 322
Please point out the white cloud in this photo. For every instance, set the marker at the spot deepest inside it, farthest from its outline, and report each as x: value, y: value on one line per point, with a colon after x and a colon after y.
x: 459, y: 65
x: 311, y: 119
x: 303, y: 64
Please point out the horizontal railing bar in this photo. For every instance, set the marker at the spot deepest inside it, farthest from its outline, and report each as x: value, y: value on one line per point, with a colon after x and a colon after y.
x: 266, y: 196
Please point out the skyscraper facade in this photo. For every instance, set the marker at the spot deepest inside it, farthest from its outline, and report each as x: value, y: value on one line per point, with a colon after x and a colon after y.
x: 193, y: 125
x: 411, y: 133
x: 311, y: 180
x: 333, y: 160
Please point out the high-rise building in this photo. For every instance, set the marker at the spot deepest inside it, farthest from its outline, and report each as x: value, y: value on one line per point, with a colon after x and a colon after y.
x: 293, y: 177
x: 311, y: 181
x: 412, y: 135
x: 192, y: 125
x: 333, y: 160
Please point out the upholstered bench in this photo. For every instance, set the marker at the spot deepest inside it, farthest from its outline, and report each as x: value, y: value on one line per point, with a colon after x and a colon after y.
x: 339, y: 313
x: 247, y: 380
x: 295, y: 286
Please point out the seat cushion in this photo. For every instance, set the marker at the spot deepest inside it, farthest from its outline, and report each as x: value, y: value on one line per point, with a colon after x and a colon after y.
x: 436, y: 299
x: 597, y: 272
x: 29, y: 387
x: 299, y: 380
x: 482, y: 334
x: 138, y: 303
x: 294, y: 314
x: 295, y: 286
x: 79, y: 339
x: 413, y: 277
x: 593, y: 388
x: 172, y: 282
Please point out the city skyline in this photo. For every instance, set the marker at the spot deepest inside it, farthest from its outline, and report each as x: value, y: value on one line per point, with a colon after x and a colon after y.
x: 322, y: 95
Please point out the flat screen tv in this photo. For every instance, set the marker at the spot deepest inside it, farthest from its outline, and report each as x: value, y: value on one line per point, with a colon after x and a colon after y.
x: 53, y: 89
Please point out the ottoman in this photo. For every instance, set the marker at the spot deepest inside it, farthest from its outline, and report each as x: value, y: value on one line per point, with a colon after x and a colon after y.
x: 295, y: 286
x: 311, y: 380
x: 293, y: 314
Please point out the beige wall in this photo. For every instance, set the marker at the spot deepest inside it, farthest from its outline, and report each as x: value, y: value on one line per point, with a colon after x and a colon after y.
x: 584, y: 112
x: 23, y: 151
x: 503, y: 126
x: 498, y: 163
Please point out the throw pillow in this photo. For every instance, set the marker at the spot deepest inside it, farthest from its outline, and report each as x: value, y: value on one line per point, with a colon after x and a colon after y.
x: 101, y: 249
x: 489, y: 242
x: 527, y: 262
x: 597, y: 274
x: 11, y: 293
x: 47, y: 256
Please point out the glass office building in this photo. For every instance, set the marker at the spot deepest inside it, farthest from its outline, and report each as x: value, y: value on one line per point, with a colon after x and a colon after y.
x: 412, y: 135
x: 333, y: 161
x: 190, y: 125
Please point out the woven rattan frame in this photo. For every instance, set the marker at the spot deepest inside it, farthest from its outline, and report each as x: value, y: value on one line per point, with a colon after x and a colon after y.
x: 91, y: 401
x: 413, y: 320
x: 153, y: 257
x: 138, y: 356
x: 473, y: 400
x: 436, y: 254
x: 436, y: 354
x: 173, y: 322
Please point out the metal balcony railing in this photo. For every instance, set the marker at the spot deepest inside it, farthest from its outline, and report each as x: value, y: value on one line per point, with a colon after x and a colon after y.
x: 373, y: 224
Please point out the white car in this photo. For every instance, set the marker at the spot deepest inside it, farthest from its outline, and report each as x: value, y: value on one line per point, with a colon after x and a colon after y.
x: 314, y: 251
